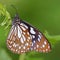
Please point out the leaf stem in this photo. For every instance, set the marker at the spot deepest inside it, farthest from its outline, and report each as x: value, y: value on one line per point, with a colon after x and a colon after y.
x: 22, y: 56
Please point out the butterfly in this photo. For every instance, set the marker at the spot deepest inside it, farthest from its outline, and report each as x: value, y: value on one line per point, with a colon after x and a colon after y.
x: 24, y: 38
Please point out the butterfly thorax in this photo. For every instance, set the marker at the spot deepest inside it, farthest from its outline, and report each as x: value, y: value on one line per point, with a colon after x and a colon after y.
x: 16, y: 20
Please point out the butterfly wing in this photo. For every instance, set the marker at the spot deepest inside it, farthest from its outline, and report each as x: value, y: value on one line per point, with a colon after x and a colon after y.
x: 19, y: 39
x: 39, y: 41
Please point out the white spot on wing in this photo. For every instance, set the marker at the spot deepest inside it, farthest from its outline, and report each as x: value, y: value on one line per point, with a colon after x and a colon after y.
x: 46, y: 49
x: 24, y: 33
x: 10, y: 46
x: 29, y: 38
x: 24, y: 25
x: 24, y: 47
x: 39, y: 36
x: 24, y: 37
x: 37, y: 46
x: 48, y: 46
x: 34, y: 41
x: 15, y: 28
x: 28, y: 33
x: 19, y: 32
x: 33, y: 36
x: 26, y: 44
x: 21, y: 40
x: 19, y: 47
x: 16, y: 50
x: 23, y: 28
x: 34, y: 48
x: 32, y: 44
x: 32, y: 30
x: 45, y: 42
x: 39, y: 39
x: 14, y: 45
x: 22, y: 51
x: 11, y: 42
x: 43, y: 46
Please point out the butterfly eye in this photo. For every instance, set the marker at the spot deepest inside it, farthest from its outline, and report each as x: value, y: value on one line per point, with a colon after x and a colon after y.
x: 23, y: 38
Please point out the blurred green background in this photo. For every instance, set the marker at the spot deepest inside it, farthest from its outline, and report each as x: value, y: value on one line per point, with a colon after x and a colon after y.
x: 44, y: 15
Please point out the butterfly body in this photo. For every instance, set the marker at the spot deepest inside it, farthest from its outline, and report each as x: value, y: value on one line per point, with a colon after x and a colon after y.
x: 23, y: 38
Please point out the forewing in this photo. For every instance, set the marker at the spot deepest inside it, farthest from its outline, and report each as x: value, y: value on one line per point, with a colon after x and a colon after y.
x: 19, y: 39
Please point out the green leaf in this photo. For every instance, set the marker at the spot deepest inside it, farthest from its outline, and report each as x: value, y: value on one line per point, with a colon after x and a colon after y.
x: 52, y: 39
x: 4, y: 55
x: 5, y: 16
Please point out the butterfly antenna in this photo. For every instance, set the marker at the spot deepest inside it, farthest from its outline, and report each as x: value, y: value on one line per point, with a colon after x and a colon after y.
x: 15, y: 9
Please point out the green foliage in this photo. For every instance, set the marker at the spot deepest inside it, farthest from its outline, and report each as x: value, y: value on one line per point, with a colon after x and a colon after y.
x: 5, y: 16
x: 4, y: 55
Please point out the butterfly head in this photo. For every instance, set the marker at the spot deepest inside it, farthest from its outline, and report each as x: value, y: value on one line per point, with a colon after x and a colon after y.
x: 16, y: 20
